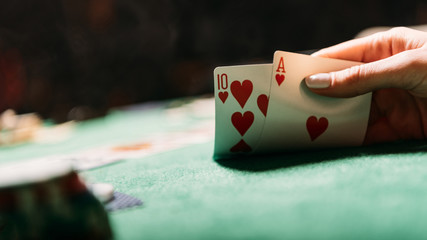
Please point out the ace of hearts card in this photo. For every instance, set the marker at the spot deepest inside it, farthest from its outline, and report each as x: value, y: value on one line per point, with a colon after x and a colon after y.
x: 268, y: 108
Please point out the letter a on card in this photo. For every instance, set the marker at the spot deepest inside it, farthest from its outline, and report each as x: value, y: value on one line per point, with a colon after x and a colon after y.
x: 280, y: 76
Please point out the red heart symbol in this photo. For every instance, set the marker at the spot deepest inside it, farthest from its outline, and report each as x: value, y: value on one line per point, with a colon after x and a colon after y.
x: 242, y: 122
x: 241, y: 146
x: 316, y: 127
x: 280, y: 78
x: 262, y: 102
x: 223, y: 96
x: 241, y: 92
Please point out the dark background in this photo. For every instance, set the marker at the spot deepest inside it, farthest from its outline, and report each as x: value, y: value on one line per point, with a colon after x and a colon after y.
x: 75, y: 59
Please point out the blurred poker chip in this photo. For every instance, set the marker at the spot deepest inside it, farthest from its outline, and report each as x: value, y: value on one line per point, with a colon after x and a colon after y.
x: 48, y: 201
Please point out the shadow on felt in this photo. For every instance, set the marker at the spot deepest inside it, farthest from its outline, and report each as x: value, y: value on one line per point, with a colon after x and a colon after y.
x: 257, y: 163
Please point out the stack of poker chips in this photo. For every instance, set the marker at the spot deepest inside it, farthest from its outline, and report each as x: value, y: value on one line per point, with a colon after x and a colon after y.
x: 40, y: 201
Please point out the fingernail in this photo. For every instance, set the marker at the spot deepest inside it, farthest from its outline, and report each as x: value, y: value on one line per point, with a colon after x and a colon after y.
x: 320, y: 80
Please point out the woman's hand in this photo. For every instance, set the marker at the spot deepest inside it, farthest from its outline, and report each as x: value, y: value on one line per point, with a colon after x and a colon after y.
x: 395, y: 70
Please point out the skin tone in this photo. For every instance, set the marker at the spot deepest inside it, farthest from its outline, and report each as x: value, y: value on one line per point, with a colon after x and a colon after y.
x: 395, y: 69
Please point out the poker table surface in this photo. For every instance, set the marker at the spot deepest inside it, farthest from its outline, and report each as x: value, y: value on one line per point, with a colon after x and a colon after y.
x: 368, y: 192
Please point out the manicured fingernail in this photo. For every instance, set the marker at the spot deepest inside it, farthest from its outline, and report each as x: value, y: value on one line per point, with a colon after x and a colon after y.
x: 320, y: 80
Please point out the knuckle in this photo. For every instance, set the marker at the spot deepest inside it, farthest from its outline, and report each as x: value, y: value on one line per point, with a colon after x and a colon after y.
x: 398, y: 30
x: 416, y: 67
x: 350, y: 79
x: 349, y: 76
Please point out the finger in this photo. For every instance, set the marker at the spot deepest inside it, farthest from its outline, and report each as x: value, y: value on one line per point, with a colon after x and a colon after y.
x: 398, y: 71
x: 375, y: 47
x: 355, y: 50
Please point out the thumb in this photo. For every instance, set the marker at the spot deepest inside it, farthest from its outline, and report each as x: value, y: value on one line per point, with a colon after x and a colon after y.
x: 392, y: 72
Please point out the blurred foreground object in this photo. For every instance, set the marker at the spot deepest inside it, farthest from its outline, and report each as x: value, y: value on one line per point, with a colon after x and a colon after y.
x: 40, y: 201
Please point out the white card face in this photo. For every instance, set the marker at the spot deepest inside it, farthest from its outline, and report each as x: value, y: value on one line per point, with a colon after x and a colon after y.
x: 298, y: 118
x: 241, y: 100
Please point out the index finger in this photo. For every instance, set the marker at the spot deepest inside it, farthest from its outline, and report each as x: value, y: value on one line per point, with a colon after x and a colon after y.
x: 376, y: 46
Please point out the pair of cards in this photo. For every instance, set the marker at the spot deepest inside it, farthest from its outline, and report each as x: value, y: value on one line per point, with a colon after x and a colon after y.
x: 268, y: 108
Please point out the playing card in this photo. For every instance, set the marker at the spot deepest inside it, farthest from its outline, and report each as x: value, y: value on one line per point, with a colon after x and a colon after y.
x: 122, y: 201
x: 298, y: 118
x: 241, y: 99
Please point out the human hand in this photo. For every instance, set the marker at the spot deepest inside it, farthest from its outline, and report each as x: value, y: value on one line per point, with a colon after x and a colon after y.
x: 395, y: 70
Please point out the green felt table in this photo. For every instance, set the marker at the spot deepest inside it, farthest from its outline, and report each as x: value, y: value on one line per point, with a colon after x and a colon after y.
x: 375, y: 192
